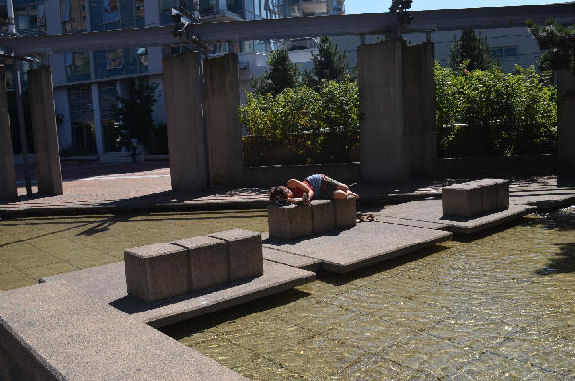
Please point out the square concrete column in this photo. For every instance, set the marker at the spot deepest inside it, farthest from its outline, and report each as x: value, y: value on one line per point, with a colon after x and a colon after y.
x: 323, y: 216
x: 208, y: 261
x: 290, y: 222
x: 184, y: 98
x: 8, y: 189
x: 244, y: 250
x: 566, y: 119
x: 157, y: 271
x: 398, y: 106
x: 224, y: 129
x: 45, y: 131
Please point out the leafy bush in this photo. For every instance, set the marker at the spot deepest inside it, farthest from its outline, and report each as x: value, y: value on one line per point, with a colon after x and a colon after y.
x: 312, y: 115
x: 505, y: 114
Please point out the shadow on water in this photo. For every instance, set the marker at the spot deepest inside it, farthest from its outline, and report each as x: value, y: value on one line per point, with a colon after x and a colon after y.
x: 563, y: 262
x: 189, y: 327
x: 341, y: 279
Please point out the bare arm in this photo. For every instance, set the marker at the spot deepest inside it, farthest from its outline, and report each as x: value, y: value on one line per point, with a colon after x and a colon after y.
x: 293, y: 183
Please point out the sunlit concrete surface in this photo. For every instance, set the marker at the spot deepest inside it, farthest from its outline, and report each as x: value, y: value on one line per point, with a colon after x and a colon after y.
x: 497, y: 306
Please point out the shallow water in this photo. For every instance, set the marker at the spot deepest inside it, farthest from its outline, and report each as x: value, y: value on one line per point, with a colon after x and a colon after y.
x: 497, y: 306
x: 31, y: 248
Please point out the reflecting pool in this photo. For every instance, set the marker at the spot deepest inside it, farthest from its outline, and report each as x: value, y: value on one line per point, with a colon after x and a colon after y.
x: 31, y: 248
x: 496, y: 306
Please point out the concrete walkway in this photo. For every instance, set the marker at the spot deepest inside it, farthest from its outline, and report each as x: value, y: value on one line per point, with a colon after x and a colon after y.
x: 124, y: 187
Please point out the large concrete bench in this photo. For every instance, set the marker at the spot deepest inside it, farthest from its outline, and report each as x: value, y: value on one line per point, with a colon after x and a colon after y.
x: 297, y: 221
x: 55, y: 331
x: 165, y: 270
x: 475, y: 197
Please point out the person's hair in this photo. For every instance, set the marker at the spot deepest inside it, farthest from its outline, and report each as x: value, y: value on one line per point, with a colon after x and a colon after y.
x: 278, y: 192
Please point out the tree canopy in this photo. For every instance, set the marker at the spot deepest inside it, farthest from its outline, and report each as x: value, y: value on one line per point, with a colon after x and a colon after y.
x: 328, y: 64
x: 470, y: 48
x: 558, y: 41
x: 281, y: 74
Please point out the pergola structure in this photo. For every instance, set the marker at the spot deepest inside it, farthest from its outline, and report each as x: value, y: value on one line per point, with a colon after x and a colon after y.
x: 398, y: 135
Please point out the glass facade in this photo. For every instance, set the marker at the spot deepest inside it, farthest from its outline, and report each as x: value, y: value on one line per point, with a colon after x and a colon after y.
x: 30, y: 17
x: 82, y: 119
x: 77, y: 67
x: 116, y: 14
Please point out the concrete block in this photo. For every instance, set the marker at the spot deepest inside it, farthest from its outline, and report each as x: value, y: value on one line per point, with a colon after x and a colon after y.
x: 475, y: 197
x: 157, y: 271
x: 244, y: 249
x: 345, y: 212
x: 208, y: 261
x: 322, y: 216
x: 290, y: 222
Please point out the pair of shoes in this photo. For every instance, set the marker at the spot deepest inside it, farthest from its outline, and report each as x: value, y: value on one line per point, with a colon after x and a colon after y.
x: 365, y: 217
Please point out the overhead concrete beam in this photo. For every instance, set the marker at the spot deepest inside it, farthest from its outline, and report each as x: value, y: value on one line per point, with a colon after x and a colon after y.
x: 296, y: 27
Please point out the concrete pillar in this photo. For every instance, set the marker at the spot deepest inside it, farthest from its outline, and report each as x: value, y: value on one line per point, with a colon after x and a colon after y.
x: 398, y: 107
x: 223, y: 124
x: 183, y: 96
x: 45, y: 131
x: 566, y: 119
x: 8, y: 189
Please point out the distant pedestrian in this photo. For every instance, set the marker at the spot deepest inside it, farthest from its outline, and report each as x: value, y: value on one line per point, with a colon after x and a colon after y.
x: 317, y: 186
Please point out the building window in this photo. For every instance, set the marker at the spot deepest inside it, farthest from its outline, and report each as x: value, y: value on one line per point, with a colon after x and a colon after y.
x: 77, y: 66
x: 73, y: 14
x: 167, y: 5
x: 30, y: 19
x: 139, y: 8
x: 82, y: 119
x: 114, y: 59
x: 111, y: 11
x: 505, y: 52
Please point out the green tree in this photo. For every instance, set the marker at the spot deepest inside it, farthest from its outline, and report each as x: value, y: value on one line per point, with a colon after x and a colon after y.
x: 328, y: 64
x: 134, y: 112
x: 281, y: 74
x: 558, y: 41
x: 470, y: 47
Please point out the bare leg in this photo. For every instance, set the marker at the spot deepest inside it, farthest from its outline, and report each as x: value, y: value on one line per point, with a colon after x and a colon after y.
x: 339, y: 195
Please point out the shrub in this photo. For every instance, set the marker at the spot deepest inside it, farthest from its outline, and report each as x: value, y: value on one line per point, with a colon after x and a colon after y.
x: 505, y: 114
x: 307, y: 114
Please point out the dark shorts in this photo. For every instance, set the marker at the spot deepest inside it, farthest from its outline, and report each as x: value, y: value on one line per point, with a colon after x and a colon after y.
x: 328, y: 186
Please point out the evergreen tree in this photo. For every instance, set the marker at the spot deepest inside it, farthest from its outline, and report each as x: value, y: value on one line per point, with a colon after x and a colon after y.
x: 281, y: 74
x: 559, y: 43
x: 470, y: 47
x: 328, y: 64
x: 134, y: 112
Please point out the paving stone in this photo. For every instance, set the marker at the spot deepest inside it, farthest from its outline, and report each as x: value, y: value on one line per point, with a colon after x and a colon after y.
x: 244, y: 252
x: 365, y: 244
x: 323, y: 216
x: 55, y: 331
x: 293, y: 260
x: 290, y: 222
x: 108, y: 284
x: 157, y: 271
x: 414, y: 223
x: 208, y: 261
x: 431, y: 211
x: 345, y: 212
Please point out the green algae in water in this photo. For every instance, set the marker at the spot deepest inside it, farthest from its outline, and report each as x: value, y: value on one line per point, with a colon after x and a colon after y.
x: 500, y: 306
x: 31, y: 248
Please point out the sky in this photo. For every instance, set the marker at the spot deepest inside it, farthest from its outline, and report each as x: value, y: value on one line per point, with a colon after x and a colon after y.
x: 377, y: 6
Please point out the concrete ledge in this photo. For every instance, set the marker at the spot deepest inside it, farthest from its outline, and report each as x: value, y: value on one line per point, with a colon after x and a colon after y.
x: 431, y: 211
x: 365, y: 244
x: 108, y: 285
x: 292, y: 260
x: 66, y: 334
x: 345, y: 212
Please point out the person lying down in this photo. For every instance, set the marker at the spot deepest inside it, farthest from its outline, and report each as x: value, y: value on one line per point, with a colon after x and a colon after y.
x: 317, y: 186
